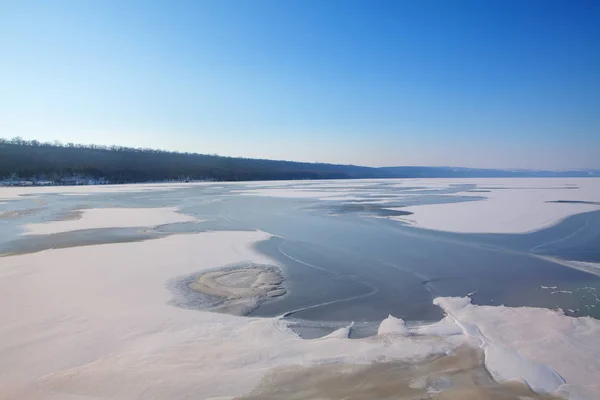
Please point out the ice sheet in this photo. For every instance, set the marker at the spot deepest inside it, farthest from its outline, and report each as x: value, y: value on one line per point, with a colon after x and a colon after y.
x: 94, y: 322
x: 18, y: 191
x: 550, y: 351
x: 111, y: 218
x: 298, y: 193
x: 590, y: 267
x: 510, y: 206
x: 444, y: 327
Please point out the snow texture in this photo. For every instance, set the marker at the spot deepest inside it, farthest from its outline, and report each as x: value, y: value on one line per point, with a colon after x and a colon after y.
x: 12, y: 193
x: 393, y: 326
x: 510, y: 206
x: 111, y: 218
x: 551, y: 352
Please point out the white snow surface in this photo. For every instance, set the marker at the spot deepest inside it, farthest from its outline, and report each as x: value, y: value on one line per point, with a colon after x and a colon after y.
x: 445, y: 327
x: 393, y: 326
x: 111, y: 218
x: 512, y: 206
x: 16, y: 192
x: 551, y: 352
x: 341, y: 333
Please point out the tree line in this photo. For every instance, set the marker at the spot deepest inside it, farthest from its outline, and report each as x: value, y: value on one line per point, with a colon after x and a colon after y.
x: 31, y: 159
x: 57, y: 162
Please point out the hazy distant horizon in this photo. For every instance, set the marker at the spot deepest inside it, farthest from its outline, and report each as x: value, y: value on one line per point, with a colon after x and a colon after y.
x: 494, y: 84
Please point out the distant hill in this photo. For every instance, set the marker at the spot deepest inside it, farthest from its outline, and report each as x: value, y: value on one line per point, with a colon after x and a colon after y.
x: 22, y: 159
x: 458, y: 172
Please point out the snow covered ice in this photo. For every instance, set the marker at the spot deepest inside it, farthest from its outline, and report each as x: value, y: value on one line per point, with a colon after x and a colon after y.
x: 91, y: 322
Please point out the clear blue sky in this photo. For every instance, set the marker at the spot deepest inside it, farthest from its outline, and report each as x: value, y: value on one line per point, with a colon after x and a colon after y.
x: 508, y: 83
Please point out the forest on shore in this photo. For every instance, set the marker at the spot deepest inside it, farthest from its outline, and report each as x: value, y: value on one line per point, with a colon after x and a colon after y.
x: 59, y: 163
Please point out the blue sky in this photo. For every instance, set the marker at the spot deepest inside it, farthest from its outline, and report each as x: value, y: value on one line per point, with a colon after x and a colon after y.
x: 465, y: 83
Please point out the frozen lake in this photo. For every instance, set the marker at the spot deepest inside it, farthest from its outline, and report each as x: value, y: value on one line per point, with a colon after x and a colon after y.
x: 348, y: 251
x: 345, y: 256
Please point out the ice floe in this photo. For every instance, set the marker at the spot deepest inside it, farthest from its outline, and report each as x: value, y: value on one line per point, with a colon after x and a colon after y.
x: 510, y: 206
x: 12, y: 193
x: 551, y: 352
x: 111, y: 218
